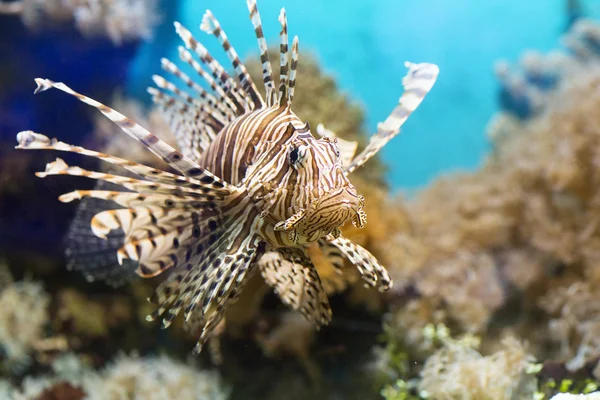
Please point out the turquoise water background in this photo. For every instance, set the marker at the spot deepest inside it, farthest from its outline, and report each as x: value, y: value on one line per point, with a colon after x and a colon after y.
x: 364, y: 45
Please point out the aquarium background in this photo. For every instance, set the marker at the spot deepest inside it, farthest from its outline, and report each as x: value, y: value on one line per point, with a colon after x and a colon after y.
x: 364, y: 46
x: 485, y: 210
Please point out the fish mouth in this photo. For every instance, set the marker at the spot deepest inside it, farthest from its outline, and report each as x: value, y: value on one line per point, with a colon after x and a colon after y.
x: 325, y: 216
x: 337, y: 207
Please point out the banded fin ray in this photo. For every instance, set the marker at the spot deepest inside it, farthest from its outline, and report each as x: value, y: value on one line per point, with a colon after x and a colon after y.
x: 217, y: 109
x: 212, y: 26
x: 293, y: 71
x: 227, y: 85
x: 160, y: 148
x: 184, y: 101
x: 206, y: 265
x: 333, y: 254
x: 59, y: 167
x: 264, y: 53
x: 125, y: 219
x: 229, y: 295
x: 29, y: 140
x: 283, y: 59
x: 372, y: 272
x: 133, y: 199
x: 211, y: 280
x: 417, y: 83
x: 295, y: 280
x: 192, y: 127
x: 225, y: 97
x: 156, y: 253
x: 158, y: 239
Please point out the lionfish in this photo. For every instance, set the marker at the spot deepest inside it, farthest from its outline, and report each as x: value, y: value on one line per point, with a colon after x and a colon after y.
x: 254, y: 187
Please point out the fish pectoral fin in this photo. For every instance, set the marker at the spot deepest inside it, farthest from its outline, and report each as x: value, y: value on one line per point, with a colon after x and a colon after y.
x: 417, y: 83
x: 372, y: 272
x: 204, y: 283
x: 203, y: 185
x: 294, y: 278
x: 290, y: 223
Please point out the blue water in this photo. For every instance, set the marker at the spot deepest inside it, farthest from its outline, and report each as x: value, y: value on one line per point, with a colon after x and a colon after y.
x: 364, y: 45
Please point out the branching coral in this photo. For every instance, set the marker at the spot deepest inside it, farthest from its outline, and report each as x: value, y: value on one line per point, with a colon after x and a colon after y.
x: 577, y: 323
x: 129, y: 377
x: 516, y: 244
x: 524, y: 90
x: 24, y: 306
x: 567, y: 396
x: 120, y: 20
x: 459, y: 371
x: 447, y: 254
x: 155, y: 378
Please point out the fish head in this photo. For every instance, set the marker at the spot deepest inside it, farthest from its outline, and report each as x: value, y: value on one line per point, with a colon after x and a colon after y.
x: 319, y: 196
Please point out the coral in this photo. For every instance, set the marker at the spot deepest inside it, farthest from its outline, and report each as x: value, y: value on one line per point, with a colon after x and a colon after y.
x: 514, y: 246
x: 577, y: 321
x: 567, y: 396
x: 459, y: 371
x: 120, y: 20
x: 583, y: 40
x: 400, y: 390
x: 524, y: 91
x: 128, y: 377
x: 91, y: 317
x: 445, y: 254
x: 154, y: 378
x: 24, y: 306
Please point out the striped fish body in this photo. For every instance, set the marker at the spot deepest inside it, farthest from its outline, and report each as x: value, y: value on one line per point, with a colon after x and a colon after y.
x: 254, y: 187
x: 271, y: 153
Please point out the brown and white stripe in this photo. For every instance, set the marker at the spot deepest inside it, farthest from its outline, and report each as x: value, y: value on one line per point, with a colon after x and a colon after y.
x: 254, y: 188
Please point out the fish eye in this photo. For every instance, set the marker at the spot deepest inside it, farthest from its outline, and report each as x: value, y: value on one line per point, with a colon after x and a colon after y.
x: 294, y: 155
